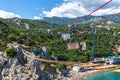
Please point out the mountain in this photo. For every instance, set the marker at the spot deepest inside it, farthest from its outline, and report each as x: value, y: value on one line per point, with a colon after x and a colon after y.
x: 48, y: 22
x: 65, y: 20
x: 27, y: 23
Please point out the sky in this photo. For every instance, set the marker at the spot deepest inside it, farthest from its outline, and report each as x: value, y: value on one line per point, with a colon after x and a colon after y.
x: 37, y: 9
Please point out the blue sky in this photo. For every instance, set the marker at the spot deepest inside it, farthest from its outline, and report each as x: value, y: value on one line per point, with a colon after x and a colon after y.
x: 37, y: 9
x: 28, y: 8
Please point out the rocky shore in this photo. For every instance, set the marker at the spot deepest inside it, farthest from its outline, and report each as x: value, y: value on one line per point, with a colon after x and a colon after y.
x: 82, y: 75
x: 77, y: 75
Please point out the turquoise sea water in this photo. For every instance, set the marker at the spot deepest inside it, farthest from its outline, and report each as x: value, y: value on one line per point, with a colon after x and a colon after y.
x: 109, y: 75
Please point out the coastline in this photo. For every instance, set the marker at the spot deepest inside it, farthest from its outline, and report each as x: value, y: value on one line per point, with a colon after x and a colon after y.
x: 83, y: 75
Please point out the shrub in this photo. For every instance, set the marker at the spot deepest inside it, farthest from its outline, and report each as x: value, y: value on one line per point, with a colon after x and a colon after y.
x: 11, y: 37
x: 59, y: 66
x: 11, y: 52
x: 15, y: 72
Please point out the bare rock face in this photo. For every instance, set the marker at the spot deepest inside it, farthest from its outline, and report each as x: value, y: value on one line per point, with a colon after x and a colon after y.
x: 19, y: 67
x: 22, y: 67
x: 20, y: 23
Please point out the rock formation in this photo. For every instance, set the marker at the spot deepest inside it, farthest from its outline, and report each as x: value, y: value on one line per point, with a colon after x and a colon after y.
x: 21, y: 67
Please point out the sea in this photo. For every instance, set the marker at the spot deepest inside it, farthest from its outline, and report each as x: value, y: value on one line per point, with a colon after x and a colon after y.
x: 108, y: 75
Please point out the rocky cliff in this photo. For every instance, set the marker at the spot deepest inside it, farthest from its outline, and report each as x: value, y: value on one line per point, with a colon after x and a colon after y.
x: 21, y: 67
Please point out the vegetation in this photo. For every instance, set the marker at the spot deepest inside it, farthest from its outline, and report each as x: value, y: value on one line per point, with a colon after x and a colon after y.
x: 59, y: 66
x: 11, y: 52
x: 65, y: 20
x: 38, y: 36
x: 15, y: 72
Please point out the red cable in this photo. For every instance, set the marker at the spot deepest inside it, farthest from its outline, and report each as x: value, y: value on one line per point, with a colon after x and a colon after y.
x: 91, y: 12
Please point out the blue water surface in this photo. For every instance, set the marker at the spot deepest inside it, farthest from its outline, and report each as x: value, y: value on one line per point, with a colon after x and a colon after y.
x: 109, y: 75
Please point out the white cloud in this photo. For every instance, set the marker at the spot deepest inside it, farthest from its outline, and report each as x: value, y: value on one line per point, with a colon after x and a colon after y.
x: 107, y: 11
x: 36, y: 17
x: 70, y: 9
x: 77, y: 8
x: 5, y: 14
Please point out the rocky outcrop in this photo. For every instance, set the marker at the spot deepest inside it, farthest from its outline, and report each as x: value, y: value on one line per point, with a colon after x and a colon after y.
x: 18, y: 67
x: 21, y: 67
x: 43, y: 53
x: 20, y: 23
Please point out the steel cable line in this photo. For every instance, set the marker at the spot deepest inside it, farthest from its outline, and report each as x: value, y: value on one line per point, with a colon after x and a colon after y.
x: 75, y: 23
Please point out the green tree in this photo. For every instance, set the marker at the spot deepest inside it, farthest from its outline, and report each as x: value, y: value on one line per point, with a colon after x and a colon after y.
x: 11, y: 37
x: 10, y: 52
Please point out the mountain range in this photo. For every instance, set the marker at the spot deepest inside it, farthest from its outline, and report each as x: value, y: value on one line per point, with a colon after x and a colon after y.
x: 48, y: 22
x: 65, y: 20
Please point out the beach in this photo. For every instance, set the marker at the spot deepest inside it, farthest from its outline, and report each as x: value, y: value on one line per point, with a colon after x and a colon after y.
x: 81, y: 75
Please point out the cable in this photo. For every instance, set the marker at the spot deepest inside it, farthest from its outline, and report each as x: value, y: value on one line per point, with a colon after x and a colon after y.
x: 74, y: 24
x: 110, y: 10
x: 110, y: 17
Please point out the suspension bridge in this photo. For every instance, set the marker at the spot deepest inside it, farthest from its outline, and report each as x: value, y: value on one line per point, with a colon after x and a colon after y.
x: 26, y: 53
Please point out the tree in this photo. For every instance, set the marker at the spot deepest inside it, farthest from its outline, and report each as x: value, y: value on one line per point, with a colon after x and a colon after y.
x: 10, y: 52
x: 11, y: 37
x: 22, y: 34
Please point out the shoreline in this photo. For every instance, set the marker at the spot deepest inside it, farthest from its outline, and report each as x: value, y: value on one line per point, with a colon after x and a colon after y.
x: 83, y: 75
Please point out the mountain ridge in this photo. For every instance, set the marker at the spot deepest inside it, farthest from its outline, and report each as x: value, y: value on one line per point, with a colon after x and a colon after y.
x: 65, y: 20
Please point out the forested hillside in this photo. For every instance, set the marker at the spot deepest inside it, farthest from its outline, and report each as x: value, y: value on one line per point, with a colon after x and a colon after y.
x: 41, y: 33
